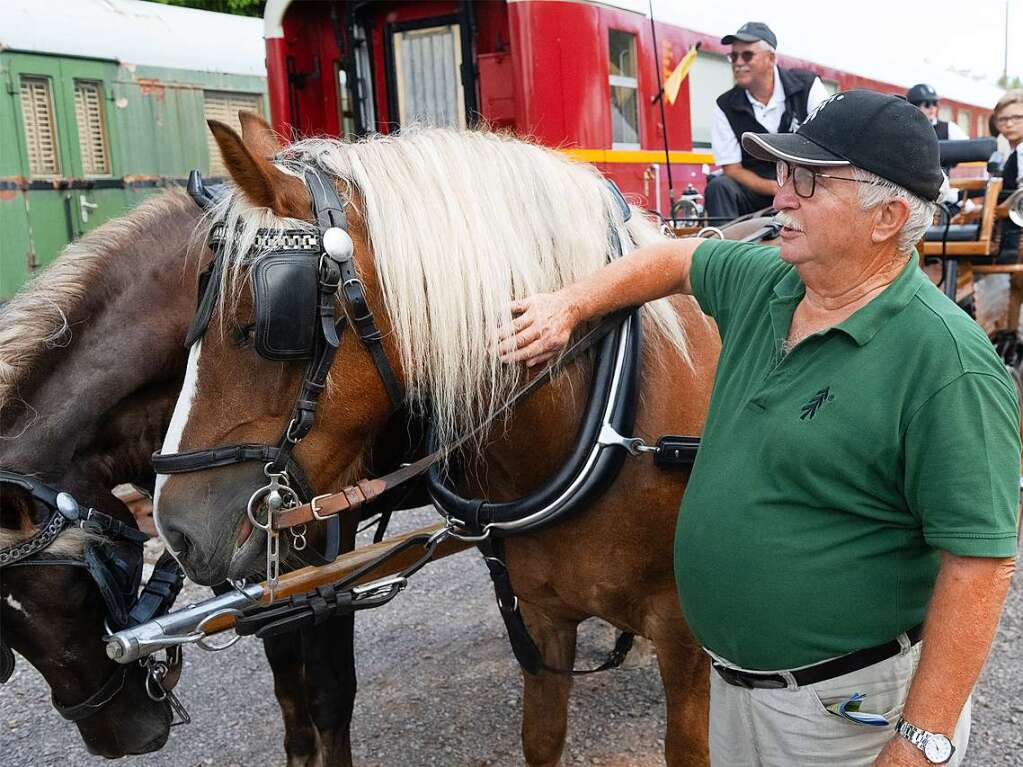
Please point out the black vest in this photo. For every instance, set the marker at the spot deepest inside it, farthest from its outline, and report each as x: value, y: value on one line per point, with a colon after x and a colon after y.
x: 941, y: 128
x: 1010, y: 171
x: 734, y: 103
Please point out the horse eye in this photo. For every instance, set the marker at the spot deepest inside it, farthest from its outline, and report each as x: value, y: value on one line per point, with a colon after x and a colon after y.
x: 242, y: 334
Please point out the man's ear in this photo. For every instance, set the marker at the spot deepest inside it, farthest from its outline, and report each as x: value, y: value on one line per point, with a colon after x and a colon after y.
x: 889, y: 219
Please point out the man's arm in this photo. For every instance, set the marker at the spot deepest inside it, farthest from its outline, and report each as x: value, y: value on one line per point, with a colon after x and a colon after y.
x: 544, y: 322
x: 751, y: 180
x: 960, y: 624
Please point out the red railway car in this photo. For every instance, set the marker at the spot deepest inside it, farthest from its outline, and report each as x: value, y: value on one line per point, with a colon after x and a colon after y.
x: 573, y: 74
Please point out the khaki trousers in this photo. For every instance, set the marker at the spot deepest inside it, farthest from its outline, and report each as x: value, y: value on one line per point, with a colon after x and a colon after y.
x: 792, y: 727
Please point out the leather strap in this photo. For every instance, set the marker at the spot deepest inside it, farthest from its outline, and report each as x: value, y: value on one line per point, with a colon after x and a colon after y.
x: 365, y: 490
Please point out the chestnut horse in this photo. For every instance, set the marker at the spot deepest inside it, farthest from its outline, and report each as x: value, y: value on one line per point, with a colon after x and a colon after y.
x: 91, y: 361
x: 448, y: 228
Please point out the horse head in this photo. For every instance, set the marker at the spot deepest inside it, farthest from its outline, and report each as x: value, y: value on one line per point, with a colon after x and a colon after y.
x: 109, y: 702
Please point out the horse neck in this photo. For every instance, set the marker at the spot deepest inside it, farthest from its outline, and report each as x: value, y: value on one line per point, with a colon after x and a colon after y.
x: 537, y: 440
x: 124, y: 337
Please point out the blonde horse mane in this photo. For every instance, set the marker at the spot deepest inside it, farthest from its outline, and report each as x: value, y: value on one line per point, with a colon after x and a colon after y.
x: 460, y: 223
x: 40, y: 315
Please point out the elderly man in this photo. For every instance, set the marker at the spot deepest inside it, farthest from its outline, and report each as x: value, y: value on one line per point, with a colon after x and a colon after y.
x: 848, y: 532
x: 765, y: 99
x: 925, y: 98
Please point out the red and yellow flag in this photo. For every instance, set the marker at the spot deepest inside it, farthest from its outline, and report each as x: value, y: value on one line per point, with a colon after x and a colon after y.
x: 674, y: 82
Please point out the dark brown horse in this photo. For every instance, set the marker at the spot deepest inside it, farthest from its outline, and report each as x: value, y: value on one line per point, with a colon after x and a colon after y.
x: 91, y: 360
x: 448, y: 228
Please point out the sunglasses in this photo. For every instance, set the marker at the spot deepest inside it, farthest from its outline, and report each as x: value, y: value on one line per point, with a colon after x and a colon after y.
x: 804, y: 180
x: 746, y: 56
x: 928, y: 103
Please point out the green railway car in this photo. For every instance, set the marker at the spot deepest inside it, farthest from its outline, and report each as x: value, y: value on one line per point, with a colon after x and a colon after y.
x: 103, y: 102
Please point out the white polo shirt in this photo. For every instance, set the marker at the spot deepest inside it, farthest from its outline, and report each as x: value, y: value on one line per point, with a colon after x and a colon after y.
x: 723, y: 142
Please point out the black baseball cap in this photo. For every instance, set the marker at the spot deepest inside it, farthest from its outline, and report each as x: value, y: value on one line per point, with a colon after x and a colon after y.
x: 879, y: 133
x: 920, y: 93
x: 750, y: 32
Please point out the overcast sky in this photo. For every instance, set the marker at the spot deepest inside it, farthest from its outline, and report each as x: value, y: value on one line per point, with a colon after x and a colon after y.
x: 967, y: 34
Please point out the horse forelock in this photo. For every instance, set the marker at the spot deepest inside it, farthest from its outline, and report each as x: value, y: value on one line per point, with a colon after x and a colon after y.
x: 460, y: 223
x: 40, y: 317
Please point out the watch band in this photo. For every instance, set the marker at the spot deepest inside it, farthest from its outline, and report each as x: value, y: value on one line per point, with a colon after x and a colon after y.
x: 920, y: 738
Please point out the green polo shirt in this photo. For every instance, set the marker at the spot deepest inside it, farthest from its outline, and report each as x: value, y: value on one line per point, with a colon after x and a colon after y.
x: 828, y: 479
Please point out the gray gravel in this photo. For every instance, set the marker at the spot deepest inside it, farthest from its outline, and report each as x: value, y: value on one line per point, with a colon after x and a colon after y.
x: 438, y: 686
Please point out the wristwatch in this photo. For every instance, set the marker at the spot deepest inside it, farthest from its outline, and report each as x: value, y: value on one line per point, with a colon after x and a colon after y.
x: 937, y: 748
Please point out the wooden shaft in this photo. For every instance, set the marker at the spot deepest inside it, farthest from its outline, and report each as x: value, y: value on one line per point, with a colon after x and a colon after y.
x: 308, y: 578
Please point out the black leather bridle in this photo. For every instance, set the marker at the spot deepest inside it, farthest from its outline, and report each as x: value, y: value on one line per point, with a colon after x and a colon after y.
x: 115, y: 566
x: 299, y: 263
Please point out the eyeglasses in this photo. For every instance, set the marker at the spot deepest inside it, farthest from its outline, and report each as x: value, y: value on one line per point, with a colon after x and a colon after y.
x: 1008, y: 119
x: 928, y: 103
x: 746, y: 56
x: 804, y: 180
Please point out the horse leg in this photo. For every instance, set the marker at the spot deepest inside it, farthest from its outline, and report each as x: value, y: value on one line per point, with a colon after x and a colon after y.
x: 330, y: 686
x: 301, y: 745
x: 685, y: 673
x: 545, y: 695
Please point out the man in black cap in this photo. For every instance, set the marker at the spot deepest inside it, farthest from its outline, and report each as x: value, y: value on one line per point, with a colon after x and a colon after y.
x: 925, y: 98
x: 765, y: 99
x: 848, y: 532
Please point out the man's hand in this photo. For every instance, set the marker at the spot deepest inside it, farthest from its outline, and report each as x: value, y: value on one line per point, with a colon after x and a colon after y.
x: 899, y: 752
x: 542, y: 326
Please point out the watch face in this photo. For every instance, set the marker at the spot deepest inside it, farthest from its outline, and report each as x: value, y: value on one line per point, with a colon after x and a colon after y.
x: 938, y: 749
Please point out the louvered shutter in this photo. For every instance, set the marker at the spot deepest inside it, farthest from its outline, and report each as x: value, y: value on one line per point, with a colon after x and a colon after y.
x: 92, y: 134
x: 223, y: 106
x: 40, y: 126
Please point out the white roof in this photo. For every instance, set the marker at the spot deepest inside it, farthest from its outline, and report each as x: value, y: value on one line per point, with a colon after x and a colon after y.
x: 871, y: 42
x: 135, y: 32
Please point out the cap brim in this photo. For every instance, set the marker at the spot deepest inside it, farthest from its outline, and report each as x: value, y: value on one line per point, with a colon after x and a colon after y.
x: 737, y: 38
x: 791, y: 147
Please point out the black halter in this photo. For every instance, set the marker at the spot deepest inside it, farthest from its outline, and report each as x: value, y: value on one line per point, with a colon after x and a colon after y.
x: 302, y: 270
x: 114, y: 565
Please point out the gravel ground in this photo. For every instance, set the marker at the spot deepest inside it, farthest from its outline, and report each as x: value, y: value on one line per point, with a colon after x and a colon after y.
x: 438, y: 686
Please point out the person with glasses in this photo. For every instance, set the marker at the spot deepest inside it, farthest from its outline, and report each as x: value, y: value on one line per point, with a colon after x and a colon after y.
x: 847, y: 535
x: 925, y: 98
x: 765, y: 99
x: 1007, y: 121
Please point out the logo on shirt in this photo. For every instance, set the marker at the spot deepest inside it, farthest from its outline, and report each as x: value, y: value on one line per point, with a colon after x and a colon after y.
x: 816, y: 402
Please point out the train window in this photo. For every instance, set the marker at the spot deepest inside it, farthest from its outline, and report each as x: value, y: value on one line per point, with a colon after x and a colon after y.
x: 710, y: 76
x: 983, y: 129
x: 945, y: 113
x: 427, y: 66
x: 92, y: 129
x: 223, y: 106
x: 40, y: 127
x: 624, y: 90
x: 964, y: 120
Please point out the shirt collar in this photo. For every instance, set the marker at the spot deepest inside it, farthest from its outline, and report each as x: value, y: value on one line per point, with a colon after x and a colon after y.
x: 866, y: 321
x: 777, y: 95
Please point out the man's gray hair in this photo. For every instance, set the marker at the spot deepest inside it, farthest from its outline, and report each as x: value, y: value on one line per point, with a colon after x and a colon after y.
x: 880, y: 190
x: 763, y: 45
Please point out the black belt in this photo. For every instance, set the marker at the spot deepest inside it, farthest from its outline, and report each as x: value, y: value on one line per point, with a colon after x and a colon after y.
x: 820, y: 672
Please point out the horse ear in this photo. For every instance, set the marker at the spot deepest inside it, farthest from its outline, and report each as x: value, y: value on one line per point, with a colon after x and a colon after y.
x: 260, y: 180
x: 258, y: 135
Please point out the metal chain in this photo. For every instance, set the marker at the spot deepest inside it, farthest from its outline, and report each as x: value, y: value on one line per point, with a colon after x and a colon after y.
x: 36, y: 543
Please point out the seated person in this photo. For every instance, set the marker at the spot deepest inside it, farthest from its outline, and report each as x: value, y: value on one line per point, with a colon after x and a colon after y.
x: 765, y: 99
x: 1007, y: 120
x: 925, y: 98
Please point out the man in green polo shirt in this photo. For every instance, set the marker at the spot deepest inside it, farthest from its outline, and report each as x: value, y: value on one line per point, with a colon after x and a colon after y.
x: 848, y: 532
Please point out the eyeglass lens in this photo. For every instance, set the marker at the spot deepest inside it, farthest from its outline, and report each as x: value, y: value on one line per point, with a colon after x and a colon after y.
x: 1007, y: 119
x: 929, y: 103
x: 804, y: 180
x: 746, y: 56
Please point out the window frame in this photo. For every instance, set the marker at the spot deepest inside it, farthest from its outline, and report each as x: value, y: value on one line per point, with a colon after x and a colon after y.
x: 624, y: 82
